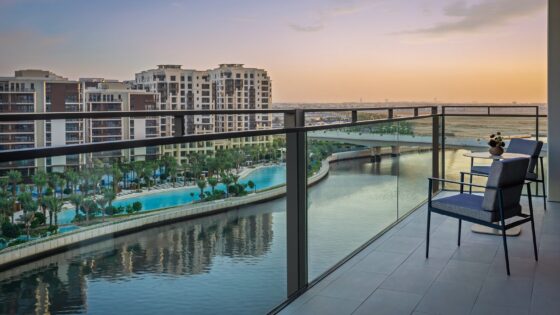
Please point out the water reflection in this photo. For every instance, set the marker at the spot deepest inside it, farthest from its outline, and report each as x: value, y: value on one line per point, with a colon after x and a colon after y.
x: 59, y: 284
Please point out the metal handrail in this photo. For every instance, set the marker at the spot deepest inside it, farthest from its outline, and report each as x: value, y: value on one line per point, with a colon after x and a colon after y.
x: 32, y: 153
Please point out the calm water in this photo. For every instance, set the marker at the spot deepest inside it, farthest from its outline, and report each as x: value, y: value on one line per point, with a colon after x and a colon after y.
x: 233, y: 262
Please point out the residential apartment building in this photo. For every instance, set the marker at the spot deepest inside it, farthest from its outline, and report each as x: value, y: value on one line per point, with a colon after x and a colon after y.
x: 238, y: 88
x: 228, y: 87
x: 104, y: 96
x: 39, y: 91
x: 168, y: 87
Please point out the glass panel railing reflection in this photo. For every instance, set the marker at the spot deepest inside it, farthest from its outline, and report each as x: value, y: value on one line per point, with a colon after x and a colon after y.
x: 233, y: 258
x: 358, y: 199
x: 464, y: 134
x: 415, y: 163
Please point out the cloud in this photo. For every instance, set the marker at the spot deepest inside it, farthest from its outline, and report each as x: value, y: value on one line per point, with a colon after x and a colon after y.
x: 488, y: 13
x: 326, y: 13
x: 308, y: 28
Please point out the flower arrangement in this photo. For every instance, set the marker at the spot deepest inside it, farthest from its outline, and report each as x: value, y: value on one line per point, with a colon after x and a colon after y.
x: 496, y: 144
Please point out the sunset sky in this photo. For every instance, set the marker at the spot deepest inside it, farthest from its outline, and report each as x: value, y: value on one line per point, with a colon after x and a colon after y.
x: 314, y: 50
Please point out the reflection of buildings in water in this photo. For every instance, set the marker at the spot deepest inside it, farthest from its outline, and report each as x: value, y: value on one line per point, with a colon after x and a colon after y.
x: 179, y: 249
x: 50, y: 290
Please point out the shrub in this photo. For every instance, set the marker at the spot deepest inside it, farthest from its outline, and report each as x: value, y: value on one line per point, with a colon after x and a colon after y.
x: 53, y: 229
x: 16, y: 242
x: 48, y: 192
x: 10, y: 230
x: 129, y: 209
x: 38, y: 220
x: 110, y: 210
x: 67, y: 191
x: 136, y: 206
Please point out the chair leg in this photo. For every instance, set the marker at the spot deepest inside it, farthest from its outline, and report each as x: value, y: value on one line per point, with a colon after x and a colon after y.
x: 428, y: 233
x: 532, y: 222
x: 459, y: 234
x: 534, y: 239
x: 544, y: 193
x: 504, y: 237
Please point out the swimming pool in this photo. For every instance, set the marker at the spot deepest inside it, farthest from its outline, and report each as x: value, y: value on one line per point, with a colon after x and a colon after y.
x: 264, y: 177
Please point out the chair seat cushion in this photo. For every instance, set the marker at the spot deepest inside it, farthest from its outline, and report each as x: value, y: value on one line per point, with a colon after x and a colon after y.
x: 471, y: 206
x: 485, y: 170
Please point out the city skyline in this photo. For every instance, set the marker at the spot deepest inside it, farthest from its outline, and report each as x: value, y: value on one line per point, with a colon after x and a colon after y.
x: 321, y: 51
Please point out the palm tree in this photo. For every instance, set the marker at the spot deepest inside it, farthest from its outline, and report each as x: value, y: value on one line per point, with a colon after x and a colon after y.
x: 213, y: 182
x: 61, y: 183
x: 147, y: 174
x: 72, y: 178
x: 138, y: 170
x: 109, y: 195
x: 76, y: 200
x: 55, y: 206
x: 172, y: 169
x: 40, y: 181
x: 125, y: 168
x: 117, y: 175
x: 88, y: 204
x: 14, y: 177
x: 29, y: 207
x: 5, y: 204
x: 252, y: 186
x: 226, y: 180
x: 201, y: 183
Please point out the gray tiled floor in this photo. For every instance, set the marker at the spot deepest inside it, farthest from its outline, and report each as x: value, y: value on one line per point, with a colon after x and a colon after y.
x: 392, y: 275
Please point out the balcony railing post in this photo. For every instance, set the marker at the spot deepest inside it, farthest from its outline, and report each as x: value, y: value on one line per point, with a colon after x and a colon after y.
x: 296, y: 204
x: 435, y: 148
x: 442, y: 146
x: 354, y: 116
x: 179, y: 126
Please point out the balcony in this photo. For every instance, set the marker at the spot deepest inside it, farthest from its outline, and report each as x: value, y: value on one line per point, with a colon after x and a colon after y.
x: 392, y: 276
x: 335, y: 214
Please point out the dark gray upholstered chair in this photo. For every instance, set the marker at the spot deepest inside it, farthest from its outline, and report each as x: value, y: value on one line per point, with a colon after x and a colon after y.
x: 522, y: 146
x: 501, y: 201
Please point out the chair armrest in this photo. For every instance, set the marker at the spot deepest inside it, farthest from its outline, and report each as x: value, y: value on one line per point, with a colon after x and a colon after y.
x: 458, y: 182
x: 475, y: 174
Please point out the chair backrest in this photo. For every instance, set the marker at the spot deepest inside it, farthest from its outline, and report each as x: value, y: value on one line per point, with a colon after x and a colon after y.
x: 528, y: 147
x: 509, y: 175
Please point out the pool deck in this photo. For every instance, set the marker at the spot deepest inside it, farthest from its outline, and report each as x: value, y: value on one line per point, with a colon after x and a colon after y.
x: 392, y: 275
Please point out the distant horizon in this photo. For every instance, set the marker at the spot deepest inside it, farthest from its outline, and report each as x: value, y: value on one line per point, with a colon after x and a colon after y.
x: 488, y: 51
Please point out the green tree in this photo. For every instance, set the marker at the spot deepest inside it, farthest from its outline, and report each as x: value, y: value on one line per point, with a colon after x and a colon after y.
x: 76, y: 200
x: 213, y: 182
x: 201, y: 183
x: 226, y: 180
x: 55, y: 206
x: 29, y: 206
x: 72, y: 179
x: 14, y: 177
x: 149, y: 169
x: 40, y: 180
x: 252, y: 186
x: 117, y: 175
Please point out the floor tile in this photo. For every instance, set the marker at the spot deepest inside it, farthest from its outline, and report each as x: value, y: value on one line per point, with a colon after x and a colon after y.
x: 387, y: 302
x: 448, y: 298
x: 354, y: 284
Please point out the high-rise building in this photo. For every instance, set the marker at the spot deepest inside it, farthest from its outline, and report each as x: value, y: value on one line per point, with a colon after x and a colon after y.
x: 238, y: 88
x: 104, y: 96
x: 169, y: 87
x: 39, y: 91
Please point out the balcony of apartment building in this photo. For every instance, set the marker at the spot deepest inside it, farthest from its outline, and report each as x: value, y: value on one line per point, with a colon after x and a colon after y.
x: 336, y: 224
x: 337, y: 220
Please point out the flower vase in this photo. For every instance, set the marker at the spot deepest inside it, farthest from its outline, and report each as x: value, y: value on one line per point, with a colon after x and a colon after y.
x: 496, y: 150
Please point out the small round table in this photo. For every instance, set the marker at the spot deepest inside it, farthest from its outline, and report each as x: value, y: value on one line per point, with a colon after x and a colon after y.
x: 477, y: 228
